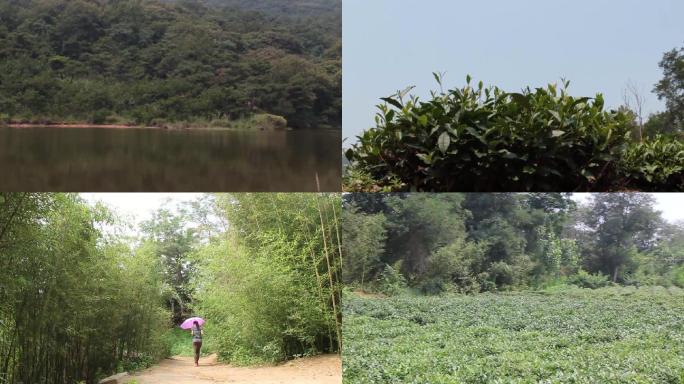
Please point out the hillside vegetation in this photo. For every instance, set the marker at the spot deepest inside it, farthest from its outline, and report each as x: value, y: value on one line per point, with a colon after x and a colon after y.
x: 286, y: 8
x: 153, y: 62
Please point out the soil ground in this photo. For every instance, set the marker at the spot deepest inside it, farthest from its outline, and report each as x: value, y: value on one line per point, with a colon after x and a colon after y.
x: 325, y: 369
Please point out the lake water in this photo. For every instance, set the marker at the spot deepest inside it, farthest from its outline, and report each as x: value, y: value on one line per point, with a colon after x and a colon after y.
x: 137, y: 160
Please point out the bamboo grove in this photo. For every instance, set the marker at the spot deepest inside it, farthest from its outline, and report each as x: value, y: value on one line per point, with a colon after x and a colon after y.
x: 75, y: 303
x: 271, y: 283
x: 81, y: 297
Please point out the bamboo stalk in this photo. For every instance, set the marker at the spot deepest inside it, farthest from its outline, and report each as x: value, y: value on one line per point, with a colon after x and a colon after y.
x: 332, y: 284
x: 339, y: 241
x: 318, y: 275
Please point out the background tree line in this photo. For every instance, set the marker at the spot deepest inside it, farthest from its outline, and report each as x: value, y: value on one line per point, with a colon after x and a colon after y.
x: 81, y: 297
x: 150, y: 62
x: 500, y: 241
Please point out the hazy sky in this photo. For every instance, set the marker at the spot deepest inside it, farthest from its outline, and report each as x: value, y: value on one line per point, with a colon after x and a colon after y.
x: 670, y: 204
x: 140, y: 206
x: 599, y: 45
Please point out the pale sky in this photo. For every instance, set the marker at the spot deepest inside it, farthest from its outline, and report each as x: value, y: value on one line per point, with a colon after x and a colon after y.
x: 599, y: 45
x: 670, y: 204
x: 139, y: 206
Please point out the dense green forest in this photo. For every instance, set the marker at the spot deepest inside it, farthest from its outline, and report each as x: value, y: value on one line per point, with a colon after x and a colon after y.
x: 82, y: 297
x: 214, y: 63
x: 485, y: 139
x: 473, y: 243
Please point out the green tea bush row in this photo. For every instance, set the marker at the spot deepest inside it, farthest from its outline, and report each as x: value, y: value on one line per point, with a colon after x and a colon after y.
x: 610, y: 335
x: 485, y: 139
x: 657, y: 164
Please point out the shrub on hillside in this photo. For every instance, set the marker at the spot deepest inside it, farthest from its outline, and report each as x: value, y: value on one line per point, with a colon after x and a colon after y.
x: 585, y: 279
x: 678, y: 276
x: 391, y: 281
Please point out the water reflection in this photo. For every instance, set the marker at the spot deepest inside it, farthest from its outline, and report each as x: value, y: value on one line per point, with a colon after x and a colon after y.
x: 59, y: 159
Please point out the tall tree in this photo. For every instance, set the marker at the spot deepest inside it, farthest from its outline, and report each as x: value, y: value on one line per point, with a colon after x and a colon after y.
x: 671, y: 87
x: 173, y: 242
x: 500, y: 220
x: 153, y: 61
x: 418, y: 224
x: 364, y: 244
x: 619, y: 224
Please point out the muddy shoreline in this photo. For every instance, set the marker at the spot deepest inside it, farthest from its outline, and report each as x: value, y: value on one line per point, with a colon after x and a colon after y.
x: 122, y: 126
x: 108, y: 126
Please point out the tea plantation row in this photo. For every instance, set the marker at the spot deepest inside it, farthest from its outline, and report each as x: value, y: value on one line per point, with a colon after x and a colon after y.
x: 611, y: 335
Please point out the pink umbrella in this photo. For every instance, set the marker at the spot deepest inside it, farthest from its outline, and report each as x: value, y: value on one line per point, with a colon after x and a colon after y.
x: 187, y: 324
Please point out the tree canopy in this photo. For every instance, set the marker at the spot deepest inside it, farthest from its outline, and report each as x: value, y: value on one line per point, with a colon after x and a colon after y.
x: 671, y: 89
x: 149, y: 62
x: 500, y: 241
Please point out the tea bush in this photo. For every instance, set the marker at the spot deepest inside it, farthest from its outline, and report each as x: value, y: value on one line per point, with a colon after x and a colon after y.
x: 485, y: 139
x: 610, y: 335
x: 657, y: 164
x: 584, y: 279
x: 391, y: 282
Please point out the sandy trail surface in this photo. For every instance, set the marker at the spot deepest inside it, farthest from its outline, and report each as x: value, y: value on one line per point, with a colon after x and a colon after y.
x: 181, y: 370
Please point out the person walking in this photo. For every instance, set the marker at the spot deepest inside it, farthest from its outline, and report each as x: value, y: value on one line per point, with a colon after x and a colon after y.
x: 196, y: 341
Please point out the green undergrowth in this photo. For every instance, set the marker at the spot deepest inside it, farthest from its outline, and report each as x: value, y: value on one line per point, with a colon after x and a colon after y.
x: 574, y: 335
x: 180, y: 343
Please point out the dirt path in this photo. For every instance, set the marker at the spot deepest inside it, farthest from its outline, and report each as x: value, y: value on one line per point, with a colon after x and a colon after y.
x: 181, y: 370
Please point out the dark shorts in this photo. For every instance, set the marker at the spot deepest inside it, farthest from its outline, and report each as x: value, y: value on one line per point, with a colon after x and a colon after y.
x: 198, y: 346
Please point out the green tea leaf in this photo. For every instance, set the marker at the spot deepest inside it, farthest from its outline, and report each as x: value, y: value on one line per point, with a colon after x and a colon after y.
x: 392, y: 101
x: 426, y: 158
x: 423, y: 120
x: 443, y: 142
x: 520, y: 99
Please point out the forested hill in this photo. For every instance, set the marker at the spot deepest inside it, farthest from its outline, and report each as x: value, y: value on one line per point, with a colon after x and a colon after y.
x: 297, y: 8
x: 152, y: 62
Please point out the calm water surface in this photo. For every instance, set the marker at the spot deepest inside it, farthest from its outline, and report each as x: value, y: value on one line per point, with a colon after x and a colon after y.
x: 101, y: 159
